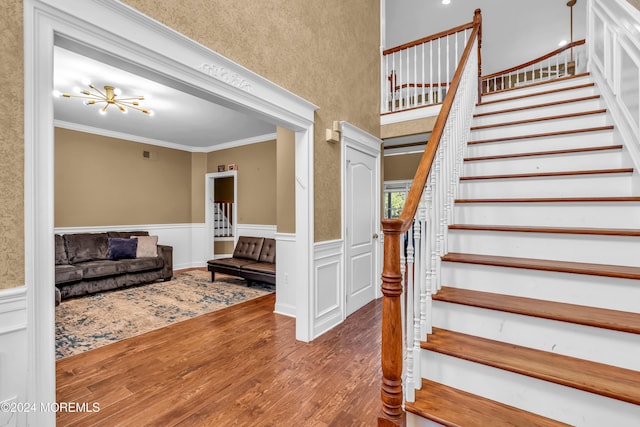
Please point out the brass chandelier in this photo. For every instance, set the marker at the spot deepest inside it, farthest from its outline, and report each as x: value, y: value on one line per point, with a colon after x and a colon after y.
x: 109, y: 97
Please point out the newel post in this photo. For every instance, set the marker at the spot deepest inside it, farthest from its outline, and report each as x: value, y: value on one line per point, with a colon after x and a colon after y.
x: 391, y: 324
x: 477, y: 20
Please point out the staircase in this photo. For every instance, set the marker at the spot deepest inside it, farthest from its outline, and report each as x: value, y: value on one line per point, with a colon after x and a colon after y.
x: 538, y: 319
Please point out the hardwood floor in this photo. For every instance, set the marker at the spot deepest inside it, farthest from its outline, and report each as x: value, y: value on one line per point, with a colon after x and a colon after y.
x: 240, y: 366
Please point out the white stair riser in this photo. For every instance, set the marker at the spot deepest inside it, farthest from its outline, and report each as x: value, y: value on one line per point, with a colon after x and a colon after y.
x: 532, y: 100
x: 580, y: 289
x: 413, y: 420
x: 525, y: 90
x: 564, y: 404
x: 605, y: 159
x: 552, y: 110
x: 560, y: 214
x: 559, y: 142
x: 545, y: 126
x: 595, y: 344
x: 614, y: 185
x: 613, y: 250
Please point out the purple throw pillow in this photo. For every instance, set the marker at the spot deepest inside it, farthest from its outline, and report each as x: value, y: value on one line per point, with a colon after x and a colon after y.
x: 122, y: 248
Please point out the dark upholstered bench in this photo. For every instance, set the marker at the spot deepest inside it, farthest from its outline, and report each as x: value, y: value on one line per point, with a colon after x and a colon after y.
x: 254, y: 258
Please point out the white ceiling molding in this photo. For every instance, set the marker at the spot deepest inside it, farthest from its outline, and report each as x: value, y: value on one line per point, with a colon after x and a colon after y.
x: 238, y: 143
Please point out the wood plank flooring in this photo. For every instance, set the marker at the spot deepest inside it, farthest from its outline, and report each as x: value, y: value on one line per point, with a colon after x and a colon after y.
x: 240, y: 366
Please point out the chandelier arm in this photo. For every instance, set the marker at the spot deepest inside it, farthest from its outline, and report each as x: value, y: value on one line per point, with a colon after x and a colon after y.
x: 104, y: 95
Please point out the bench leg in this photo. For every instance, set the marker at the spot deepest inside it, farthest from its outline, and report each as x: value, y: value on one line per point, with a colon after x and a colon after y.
x: 213, y: 276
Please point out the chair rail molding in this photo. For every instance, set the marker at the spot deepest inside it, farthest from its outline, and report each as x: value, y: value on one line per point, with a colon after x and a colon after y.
x: 131, y: 37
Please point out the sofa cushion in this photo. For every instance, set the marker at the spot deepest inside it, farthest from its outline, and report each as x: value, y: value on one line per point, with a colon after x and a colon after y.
x: 268, y: 252
x: 126, y: 234
x: 142, y: 264
x: 83, y: 247
x: 147, y: 246
x: 230, y: 262
x: 66, y: 273
x: 248, y: 248
x: 101, y: 268
x: 122, y: 248
x: 262, y: 267
x: 61, y: 251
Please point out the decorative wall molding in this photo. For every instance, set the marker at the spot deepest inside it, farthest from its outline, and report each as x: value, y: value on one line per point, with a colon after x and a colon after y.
x: 227, y: 76
x: 286, y: 274
x: 257, y: 230
x: 13, y: 351
x: 328, y: 302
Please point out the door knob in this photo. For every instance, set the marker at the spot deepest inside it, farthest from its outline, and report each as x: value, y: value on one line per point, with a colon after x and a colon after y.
x: 375, y: 235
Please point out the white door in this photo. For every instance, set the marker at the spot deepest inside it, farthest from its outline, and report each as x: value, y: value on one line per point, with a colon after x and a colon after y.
x: 360, y: 231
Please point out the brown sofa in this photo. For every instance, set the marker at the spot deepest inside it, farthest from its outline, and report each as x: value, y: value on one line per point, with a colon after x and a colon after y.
x: 86, y: 263
x: 254, y: 258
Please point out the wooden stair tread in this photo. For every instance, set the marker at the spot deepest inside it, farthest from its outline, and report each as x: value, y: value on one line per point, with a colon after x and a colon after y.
x: 546, y: 153
x: 540, y: 119
x: 555, y: 230
x: 441, y: 404
x: 605, y: 380
x: 553, y: 200
x: 618, y: 271
x: 531, y: 107
x: 548, y: 174
x: 541, y: 135
x: 582, y: 315
x: 529, y: 95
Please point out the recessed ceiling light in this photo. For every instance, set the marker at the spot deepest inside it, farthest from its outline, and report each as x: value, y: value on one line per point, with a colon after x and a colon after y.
x: 563, y: 43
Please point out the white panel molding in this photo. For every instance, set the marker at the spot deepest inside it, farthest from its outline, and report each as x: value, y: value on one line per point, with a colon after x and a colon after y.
x: 285, y: 274
x: 257, y: 230
x: 619, y: 35
x: 328, y: 295
x: 13, y: 350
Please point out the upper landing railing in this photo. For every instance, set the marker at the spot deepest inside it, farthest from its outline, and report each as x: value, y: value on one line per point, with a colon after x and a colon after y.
x: 419, y: 73
x: 564, y: 62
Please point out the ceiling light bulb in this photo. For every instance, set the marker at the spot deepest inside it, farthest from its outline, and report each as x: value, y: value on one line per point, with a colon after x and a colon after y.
x: 117, y: 91
x: 57, y: 93
x: 563, y: 43
x: 77, y: 90
x: 86, y: 82
x: 446, y: 1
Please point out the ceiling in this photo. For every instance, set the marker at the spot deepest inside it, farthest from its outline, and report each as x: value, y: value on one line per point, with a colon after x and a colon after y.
x: 180, y: 120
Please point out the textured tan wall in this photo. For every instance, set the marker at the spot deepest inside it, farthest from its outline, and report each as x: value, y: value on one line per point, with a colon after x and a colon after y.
x: 325, y: 51
x: 222, y: 247
x: 256, y: 180
x: 11, y: 146
x: 401, y: 167
x: 106, y: 181
x: 198, y: 193
x: 410, y: 127
x: 635, y: 3
x: 286, y: 181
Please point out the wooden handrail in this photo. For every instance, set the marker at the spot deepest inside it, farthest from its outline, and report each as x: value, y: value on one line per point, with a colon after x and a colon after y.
x: 428, y: 38
x: 534, y: 61
x: 391, y: 392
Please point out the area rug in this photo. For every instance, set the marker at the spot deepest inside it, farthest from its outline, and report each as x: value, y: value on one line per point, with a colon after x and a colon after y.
x: 92, y: 321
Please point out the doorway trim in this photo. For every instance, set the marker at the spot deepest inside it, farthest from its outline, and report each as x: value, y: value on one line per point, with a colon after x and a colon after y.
x: 137, y: 39
x: 208, y: 207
